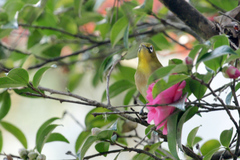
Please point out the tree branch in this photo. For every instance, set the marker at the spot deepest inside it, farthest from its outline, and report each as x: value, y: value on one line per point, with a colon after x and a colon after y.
x: 191, y: 17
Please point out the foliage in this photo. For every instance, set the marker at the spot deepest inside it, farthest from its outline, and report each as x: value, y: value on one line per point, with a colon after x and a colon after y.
x: 79, y: 37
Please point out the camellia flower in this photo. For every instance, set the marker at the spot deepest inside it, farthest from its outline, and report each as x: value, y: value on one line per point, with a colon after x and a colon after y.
x: 230, y: 72
x: 159, y: 114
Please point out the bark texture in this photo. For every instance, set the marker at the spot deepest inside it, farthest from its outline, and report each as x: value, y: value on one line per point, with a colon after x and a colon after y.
x: 191, y: 17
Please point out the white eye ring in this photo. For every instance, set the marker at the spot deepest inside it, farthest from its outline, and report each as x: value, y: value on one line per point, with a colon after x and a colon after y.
x: 151, y: 49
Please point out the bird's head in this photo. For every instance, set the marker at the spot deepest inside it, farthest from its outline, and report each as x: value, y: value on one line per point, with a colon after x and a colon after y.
x: 146, y: 52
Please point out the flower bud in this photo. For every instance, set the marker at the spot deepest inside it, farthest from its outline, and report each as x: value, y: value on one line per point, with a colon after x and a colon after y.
x: 188, y: 61
x: 230, y: 72
x: 95, y: 131
x: 23, y: 153
x: 32, y: 155
x: 41, y: 157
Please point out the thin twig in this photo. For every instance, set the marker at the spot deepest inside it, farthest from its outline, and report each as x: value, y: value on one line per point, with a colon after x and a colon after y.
x: 108, y: 79
x: 58, y: 30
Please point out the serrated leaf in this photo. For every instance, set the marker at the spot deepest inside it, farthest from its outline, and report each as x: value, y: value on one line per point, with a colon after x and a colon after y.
x: 43, y: 126
x: 5, y: 104
x: 42, y: 139
x: 90, y: 140
x: 225, y: 137
x: 81, y: 138
x: 118, y: 30
x: 147, y: 130
x: 209, y: 146
x: 15, y: 132
x: 56, y: 137
x: 172, y: 134
x: 117, y: 88
x: 102, y: 147
x: 17, y: 77
x: 38, y: 76
x: 191, y: 137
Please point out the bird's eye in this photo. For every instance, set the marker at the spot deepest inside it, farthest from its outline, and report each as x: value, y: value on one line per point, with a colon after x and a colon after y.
x: 150, y: 49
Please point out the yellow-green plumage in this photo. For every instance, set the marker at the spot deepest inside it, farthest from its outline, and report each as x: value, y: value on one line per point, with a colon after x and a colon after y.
x: 147, y: 64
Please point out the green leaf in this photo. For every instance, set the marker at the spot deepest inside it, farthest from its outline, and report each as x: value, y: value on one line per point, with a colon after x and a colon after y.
x: 17, y: 77
x: 105, y: 134
x: 117, y: 88
x: 43, y: 126
x: 38, y: 76
x: 5, y: 104
x: 31, y: 12
x: 209, y: 155
x: 22, y: 92
x: 160, y: 73
x: 42, y: 139
x: 125, y: 37
x: 1, y: 141
x: 98, y: 121
x: 161, y: 85
x: 228, y: 98
x: 74, y: 80
x: 107, y: 64
x: 132, y: 51
x: 165, y: 44
x: 197, y: 88
x: 145, y: 7
x: 191, y: 137
x: 56, y: 137
x: 147, y: 130
x: 129, y: 96
x: 198, y: 48
x: 220, y: 51
x: 118, y: 30
x: 15, y: 131
x: 81, y: 138
x: 209, y: 146
x: 219, y: 40
x: 225, y: 137
x: 34, y: 38
x: 102, y: 147
x: 182, y: 120
x: 90, y: 140
x: 172, y: 134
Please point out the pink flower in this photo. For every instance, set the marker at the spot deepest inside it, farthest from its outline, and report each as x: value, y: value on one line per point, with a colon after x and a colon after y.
x: 230, y: 72
x: 188, y: 61
x: 159, y: 114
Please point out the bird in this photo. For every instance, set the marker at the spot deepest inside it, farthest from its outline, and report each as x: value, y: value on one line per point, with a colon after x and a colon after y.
x: 147, y: 64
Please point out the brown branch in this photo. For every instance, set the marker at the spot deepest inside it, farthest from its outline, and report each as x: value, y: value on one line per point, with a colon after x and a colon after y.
x: 58, y: 30
x: 191, y: 17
